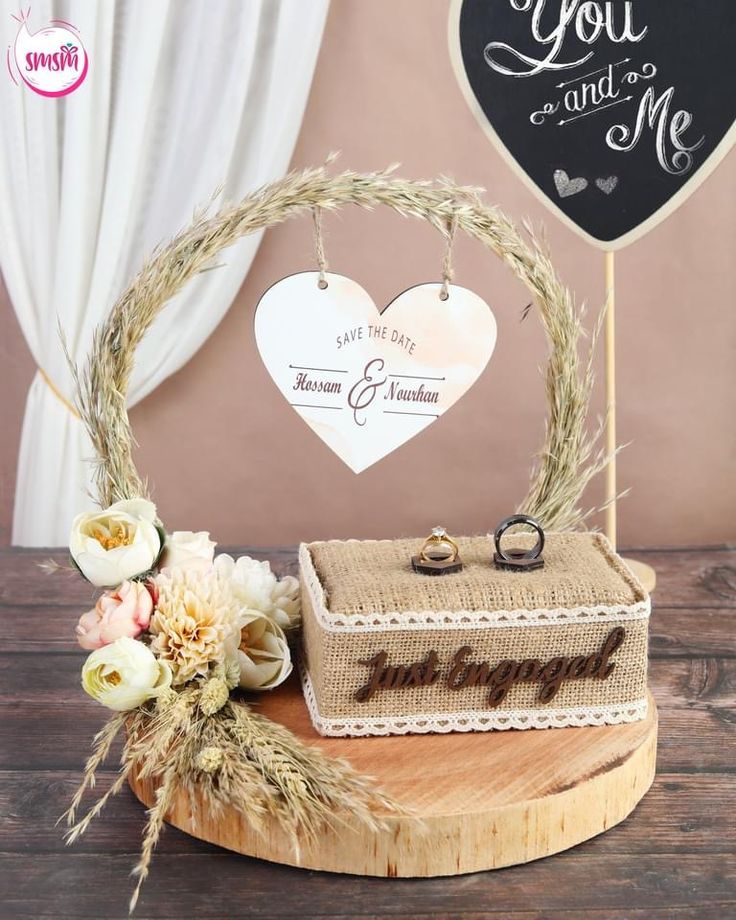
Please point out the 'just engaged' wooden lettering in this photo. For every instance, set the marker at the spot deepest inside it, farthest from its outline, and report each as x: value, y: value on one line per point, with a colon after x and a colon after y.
x: 462, y: 672
x: 396, y: 677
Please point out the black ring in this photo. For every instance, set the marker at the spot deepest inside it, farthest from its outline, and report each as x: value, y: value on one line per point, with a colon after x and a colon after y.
x: 534, y: 552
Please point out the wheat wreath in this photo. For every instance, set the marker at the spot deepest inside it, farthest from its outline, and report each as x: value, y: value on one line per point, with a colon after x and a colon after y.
x: 200, y: 739
x: 569, y: 456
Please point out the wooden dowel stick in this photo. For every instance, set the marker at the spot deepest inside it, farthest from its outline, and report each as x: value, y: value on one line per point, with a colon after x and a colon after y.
x: 610, y: 345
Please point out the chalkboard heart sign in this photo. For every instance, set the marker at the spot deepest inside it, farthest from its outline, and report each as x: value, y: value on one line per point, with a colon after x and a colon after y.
x: 612, y: 111
x: 366, y: 381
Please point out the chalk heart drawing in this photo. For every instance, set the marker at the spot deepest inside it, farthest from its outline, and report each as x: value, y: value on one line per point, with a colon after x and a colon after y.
x: 367, y: 381
x: 566, y: 186
x: 608, y: 184
x: 52, y: 62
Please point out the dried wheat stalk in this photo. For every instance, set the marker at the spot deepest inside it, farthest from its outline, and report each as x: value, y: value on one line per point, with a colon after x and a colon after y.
x: 251, y: 765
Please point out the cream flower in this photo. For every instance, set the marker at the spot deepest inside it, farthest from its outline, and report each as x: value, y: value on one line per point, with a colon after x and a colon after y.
x: 195, y: 626
x: 118, y: 543
x: 209, y: 759
x: 257, y: 588
x: 286, y: 602
x: 263, y: 653
x: 215, y: 693
x: 124, y: 674
x: 185, y: 549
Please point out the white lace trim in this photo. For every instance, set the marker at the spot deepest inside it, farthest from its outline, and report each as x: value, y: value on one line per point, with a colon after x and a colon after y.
x: 455, y: 619
x: 470, y: 721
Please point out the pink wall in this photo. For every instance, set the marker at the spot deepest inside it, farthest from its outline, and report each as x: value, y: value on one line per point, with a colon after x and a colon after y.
x: 225, y: 451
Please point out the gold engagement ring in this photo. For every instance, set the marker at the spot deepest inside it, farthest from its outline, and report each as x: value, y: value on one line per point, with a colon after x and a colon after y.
x: 439, y: 547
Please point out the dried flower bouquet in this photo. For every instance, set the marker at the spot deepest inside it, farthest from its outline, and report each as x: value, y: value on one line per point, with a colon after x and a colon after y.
x: 172, y: 638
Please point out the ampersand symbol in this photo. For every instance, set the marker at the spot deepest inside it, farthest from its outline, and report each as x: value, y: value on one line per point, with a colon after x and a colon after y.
x: 363, y: 392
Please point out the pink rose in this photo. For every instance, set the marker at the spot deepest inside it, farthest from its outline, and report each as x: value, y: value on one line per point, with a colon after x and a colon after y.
x: 123, y: 612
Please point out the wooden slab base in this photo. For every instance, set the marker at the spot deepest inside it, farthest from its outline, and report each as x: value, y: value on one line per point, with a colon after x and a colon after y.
x: 486, y: 799
x: 645, y: 573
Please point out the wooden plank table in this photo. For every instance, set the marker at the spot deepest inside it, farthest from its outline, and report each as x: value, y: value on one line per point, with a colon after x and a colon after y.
x: 675, y: 857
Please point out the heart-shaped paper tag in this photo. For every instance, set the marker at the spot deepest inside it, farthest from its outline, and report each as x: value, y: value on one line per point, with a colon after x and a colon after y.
x: 367, y: 381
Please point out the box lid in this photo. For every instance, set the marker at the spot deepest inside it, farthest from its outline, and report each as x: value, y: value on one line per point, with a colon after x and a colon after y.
x: 374, y: 578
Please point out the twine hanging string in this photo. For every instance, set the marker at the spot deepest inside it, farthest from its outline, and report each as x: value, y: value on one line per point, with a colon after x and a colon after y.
x: 319, y: 248
x: 448, y: 271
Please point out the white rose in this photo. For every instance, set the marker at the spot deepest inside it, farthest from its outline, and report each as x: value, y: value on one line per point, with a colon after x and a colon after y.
x: 257, y: 588
x: 116, y: 544
x: 185, y: 549
x: 263, y: 655
x: 124, y: 674
x: 251, y: 581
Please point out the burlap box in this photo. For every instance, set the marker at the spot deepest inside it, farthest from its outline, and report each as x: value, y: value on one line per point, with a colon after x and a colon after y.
x: 388, y: 651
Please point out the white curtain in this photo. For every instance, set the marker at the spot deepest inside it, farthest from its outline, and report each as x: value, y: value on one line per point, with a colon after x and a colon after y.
x: 181, y: 96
